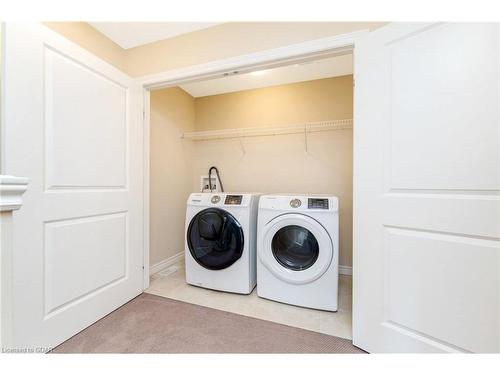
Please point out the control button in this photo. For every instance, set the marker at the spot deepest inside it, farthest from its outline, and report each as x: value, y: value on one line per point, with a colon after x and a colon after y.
x: 215, y: 199
x: 295, y: 203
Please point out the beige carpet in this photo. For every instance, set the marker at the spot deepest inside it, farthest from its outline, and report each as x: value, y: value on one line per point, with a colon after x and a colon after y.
x: 152, y: 324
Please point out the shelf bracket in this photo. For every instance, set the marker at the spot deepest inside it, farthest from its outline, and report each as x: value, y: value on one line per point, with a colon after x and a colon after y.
x: 242, y: 146
x: 305, y: 139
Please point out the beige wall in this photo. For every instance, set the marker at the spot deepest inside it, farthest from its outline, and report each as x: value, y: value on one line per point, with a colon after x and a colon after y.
x: 92, y: 40
x: 230, y: 39
x: 280, y: 164
x: 323, y: 99
x: 171, y: 169
x: 222, y: 41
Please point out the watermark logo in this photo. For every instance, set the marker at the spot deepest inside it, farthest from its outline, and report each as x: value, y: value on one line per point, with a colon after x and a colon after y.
x: 38, y: 349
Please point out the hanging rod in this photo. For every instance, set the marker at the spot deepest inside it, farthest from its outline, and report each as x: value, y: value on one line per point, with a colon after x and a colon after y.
x: 265, y: 131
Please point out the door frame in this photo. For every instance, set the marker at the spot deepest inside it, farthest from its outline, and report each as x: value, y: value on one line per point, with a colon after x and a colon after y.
x: 267, y: 59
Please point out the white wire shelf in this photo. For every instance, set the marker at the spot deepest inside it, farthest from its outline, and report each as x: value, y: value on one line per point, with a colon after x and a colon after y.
x: 266, y: 131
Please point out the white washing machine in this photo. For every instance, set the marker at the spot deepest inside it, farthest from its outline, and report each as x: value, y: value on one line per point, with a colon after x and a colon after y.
x: 298, y: 250
x: 220, y: 250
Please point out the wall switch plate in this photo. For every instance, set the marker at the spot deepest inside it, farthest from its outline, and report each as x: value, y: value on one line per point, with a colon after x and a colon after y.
x: 204, y: 186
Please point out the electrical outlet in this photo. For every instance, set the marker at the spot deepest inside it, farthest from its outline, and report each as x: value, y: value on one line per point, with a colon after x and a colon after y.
x: 204, y: 186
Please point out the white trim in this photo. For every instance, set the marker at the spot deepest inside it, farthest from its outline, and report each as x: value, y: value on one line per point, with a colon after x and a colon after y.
x: 244, y: 63
x: 11, y: 192
x: 267, y: 59
x: 165, y: 263
x: 345, y: 270
x: 146, y: 114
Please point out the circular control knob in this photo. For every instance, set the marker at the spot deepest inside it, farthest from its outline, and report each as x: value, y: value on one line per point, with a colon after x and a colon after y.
x: 215, y: 199
x: 295, y: 203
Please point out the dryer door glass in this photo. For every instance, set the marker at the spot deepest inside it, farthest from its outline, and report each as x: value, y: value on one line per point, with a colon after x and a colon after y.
x: 295, y: 248
x: 215, y: 239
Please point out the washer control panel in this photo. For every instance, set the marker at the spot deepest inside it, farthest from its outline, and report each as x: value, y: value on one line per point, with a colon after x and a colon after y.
x: 233, y: 199
x: 224, y: 199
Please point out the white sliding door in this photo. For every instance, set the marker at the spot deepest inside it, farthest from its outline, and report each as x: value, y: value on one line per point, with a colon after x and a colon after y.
x: 73, y: 126
x: 427, y: 189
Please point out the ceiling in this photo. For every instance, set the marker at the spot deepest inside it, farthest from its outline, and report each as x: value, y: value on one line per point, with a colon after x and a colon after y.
x: 308, y: 71
x: 133, y: 34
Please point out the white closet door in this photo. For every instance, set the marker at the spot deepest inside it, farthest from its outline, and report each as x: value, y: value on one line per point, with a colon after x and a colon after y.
x: 73, y: 126
x: 427, y: 189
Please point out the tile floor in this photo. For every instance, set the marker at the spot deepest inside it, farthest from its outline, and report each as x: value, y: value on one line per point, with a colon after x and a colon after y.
x: 171, y: 283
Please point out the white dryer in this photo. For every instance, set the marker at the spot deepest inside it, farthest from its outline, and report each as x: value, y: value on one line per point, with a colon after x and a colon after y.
x: 298, y: 250
x: 220, y: 249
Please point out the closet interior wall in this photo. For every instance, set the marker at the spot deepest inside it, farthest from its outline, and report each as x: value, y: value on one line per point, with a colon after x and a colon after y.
x: 267, y: 164
x: 171, y: 171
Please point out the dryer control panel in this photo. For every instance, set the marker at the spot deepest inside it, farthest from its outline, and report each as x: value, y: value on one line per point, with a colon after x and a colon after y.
x: 317, y: 203
x: 299, y: 203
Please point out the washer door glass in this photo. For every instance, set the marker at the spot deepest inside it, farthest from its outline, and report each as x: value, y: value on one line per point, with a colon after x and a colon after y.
x: 215, y: 239
x: 295, y: 247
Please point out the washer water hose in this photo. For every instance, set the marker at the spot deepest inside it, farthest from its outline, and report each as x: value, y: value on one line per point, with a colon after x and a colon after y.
x: 218, y: 177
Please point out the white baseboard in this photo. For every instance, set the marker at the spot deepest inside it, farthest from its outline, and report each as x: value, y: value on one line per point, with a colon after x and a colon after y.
x: 165, y: 263
x: 345, y: 270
